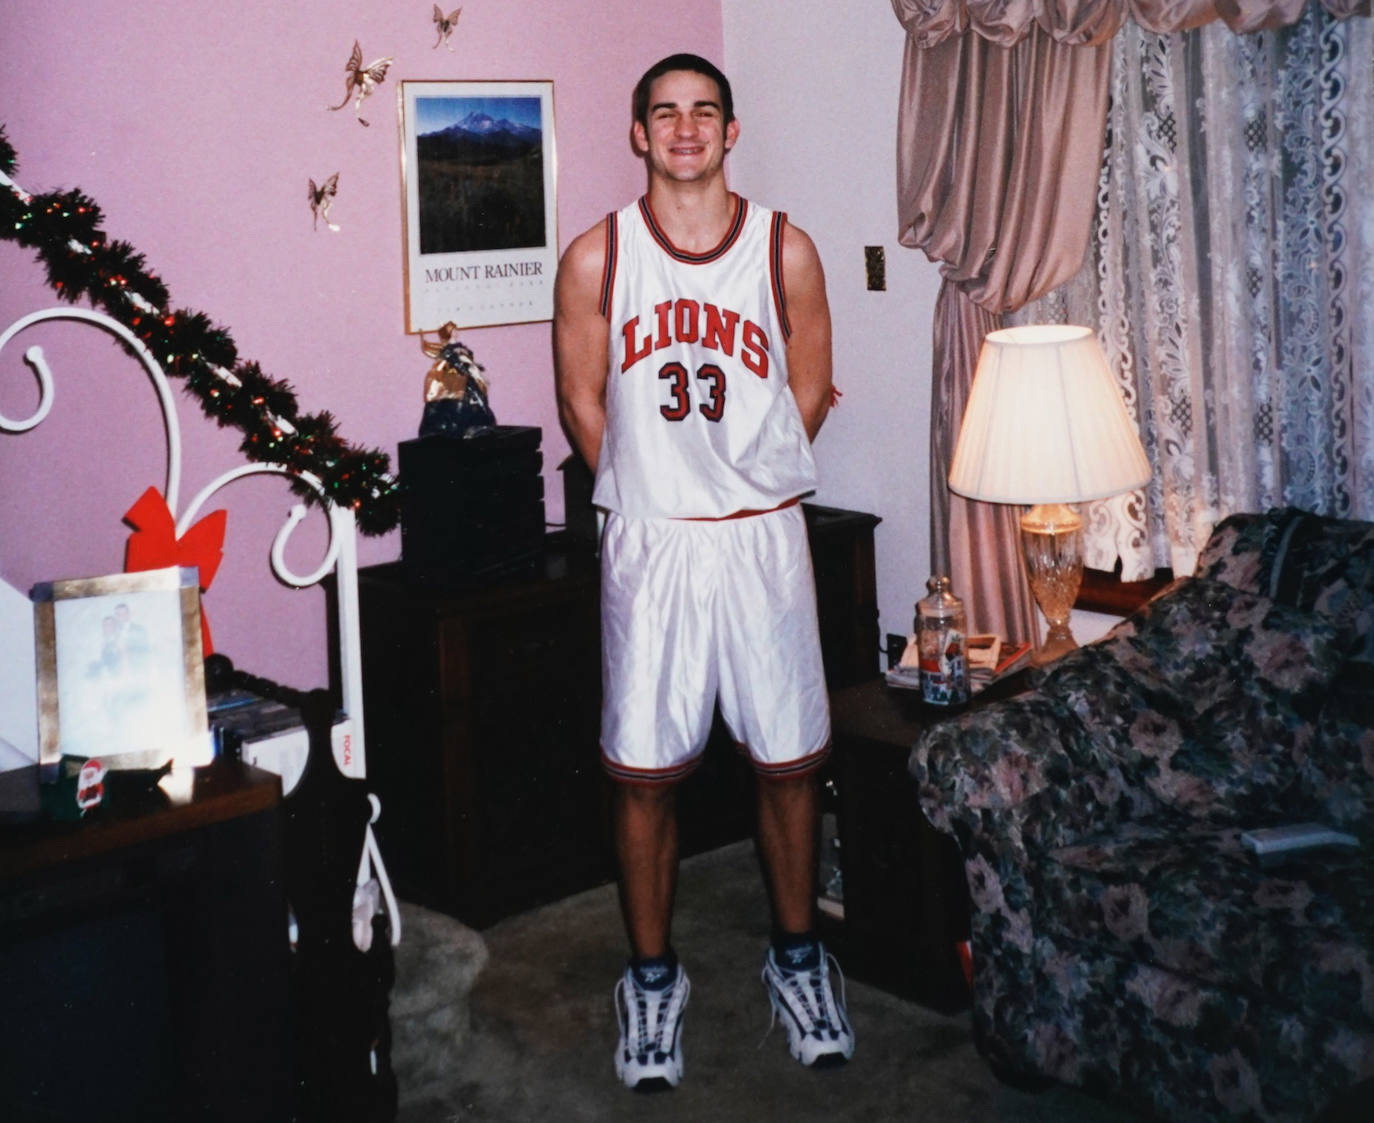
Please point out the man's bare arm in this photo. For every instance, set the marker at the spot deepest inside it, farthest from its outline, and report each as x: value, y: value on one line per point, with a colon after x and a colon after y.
x: 808, y: 348
x: 580, y: 339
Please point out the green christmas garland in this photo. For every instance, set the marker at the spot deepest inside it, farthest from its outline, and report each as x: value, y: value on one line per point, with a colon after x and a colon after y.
x: 64, y: 230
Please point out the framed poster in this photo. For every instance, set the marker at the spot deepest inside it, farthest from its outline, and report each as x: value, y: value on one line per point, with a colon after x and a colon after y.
x: 478, y: 175
x: 120, y: 670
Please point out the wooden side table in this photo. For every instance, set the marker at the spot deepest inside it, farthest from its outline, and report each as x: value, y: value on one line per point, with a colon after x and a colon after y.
x: 905, y: 898
x: 143, y: 955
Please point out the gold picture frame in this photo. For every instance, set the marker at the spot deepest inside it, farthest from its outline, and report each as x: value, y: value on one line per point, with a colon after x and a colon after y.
x: 479, y: 189
x: 121, y: 674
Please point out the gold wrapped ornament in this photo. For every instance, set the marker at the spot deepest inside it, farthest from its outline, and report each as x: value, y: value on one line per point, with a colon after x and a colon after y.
x: 455, y: 390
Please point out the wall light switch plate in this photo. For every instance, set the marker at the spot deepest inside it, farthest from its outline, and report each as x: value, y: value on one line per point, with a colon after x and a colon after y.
x: 875, y: 265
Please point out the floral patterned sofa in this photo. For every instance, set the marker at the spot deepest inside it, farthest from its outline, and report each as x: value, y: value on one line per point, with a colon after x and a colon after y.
x: 1124, y: 939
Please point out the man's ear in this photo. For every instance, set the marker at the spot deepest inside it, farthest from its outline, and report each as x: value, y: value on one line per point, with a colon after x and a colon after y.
x: 731, y: 134
x: 639, y: 138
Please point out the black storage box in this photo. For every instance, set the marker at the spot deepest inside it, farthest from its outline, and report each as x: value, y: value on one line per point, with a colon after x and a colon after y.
x: 471, y: 506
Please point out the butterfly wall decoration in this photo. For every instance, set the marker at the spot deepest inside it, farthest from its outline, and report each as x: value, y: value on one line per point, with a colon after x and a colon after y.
x: 445, y: 25
x: 321, y: 199
x: 362, y: 80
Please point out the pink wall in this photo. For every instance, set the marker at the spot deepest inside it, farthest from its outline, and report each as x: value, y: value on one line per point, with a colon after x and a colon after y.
x: 195, y: 126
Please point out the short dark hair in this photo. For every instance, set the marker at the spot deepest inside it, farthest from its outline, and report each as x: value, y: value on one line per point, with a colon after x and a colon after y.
x: 697, y: 65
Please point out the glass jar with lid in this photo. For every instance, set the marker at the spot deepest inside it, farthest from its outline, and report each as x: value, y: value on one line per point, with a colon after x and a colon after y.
x: 941, y: 638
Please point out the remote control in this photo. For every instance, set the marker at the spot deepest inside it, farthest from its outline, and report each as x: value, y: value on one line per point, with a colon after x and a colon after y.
x: 1295, y: 836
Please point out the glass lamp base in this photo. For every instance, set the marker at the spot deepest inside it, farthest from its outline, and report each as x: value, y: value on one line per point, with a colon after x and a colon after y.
x: 1052, y: 538
x: 1058, y: 642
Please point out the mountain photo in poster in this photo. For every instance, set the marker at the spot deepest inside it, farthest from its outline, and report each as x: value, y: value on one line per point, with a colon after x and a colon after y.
x: 479, y: 180
x: 480, y: 170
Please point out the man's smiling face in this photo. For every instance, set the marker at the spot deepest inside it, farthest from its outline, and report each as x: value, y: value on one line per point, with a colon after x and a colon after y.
x: 687, y: 136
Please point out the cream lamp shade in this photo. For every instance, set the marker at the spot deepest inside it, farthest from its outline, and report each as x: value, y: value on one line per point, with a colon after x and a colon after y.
x: 1045, y: 422
x: 1045, y: 425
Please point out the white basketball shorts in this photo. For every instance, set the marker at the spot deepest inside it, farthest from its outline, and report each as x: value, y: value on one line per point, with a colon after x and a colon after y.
x: 695, y: 611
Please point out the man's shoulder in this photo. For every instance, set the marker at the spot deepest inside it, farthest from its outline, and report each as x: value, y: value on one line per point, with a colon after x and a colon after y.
x: 798, y: 250
x: 585, y: 249
x: 595, y: 232
x: 593, y: 239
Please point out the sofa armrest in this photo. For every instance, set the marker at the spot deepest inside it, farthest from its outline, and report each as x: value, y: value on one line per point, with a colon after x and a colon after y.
x: 1011, y: 781
x: 1024, y: 772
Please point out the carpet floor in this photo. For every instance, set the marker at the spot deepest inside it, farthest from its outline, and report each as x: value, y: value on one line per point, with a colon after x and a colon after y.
x: 544, y: 1030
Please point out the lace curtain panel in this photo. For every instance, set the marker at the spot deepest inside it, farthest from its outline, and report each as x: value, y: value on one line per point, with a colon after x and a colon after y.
x: 1231, y: 277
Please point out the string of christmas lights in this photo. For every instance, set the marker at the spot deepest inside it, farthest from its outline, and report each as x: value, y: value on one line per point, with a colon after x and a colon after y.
x: 64, y: 228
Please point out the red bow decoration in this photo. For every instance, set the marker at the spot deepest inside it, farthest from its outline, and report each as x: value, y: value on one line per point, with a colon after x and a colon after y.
x: 154, y: 545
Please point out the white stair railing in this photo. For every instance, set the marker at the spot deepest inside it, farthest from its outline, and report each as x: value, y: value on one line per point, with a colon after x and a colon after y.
x: 340, y: 556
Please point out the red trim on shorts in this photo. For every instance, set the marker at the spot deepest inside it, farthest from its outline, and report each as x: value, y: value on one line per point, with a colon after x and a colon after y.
x: 792, y: 768
x: 740, y: 514
x: 808, y: 763
x: 648, y: 777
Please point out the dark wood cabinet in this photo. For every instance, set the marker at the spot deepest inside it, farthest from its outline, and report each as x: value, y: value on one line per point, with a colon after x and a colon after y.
x: 846, y: 592
x: 483, y: 721
x: 482, y: 708
x: 144, y: 959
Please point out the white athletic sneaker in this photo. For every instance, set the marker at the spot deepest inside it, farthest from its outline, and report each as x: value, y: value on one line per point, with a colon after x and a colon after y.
x: 649, y: 1056
x: 818, y: 1029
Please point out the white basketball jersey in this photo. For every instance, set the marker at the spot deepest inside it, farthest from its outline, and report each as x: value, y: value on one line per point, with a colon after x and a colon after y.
x: 700, y: 422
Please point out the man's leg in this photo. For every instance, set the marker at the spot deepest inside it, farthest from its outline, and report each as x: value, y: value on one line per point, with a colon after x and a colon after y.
x: 646, y: 846
x: 796, y: 970
x: 652, y: 994
x: 780, y: 709
x: 651, y: 636
x: 787, y: 839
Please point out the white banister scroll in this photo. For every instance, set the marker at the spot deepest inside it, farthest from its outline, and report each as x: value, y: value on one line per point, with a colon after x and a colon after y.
x: 340, y: 556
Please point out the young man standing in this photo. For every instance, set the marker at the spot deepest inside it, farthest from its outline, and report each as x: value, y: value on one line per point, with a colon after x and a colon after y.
x: 692, y: 354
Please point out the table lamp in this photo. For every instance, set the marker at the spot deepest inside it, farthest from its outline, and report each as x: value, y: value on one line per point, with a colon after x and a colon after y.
x: 1045, y: 426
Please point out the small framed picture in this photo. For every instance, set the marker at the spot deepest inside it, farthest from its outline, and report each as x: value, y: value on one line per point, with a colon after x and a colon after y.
x: 478, y: 178
x: 121, y: 675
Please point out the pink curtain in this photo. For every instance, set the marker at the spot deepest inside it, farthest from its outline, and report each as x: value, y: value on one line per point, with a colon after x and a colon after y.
x: 999, y: 142
x: 1000, y: 136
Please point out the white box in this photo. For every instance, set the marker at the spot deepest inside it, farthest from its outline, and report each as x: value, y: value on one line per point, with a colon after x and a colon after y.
x: 286, y: 751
